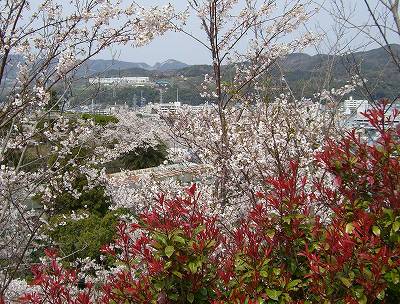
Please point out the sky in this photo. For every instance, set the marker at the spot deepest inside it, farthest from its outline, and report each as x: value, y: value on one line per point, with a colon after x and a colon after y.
x: 183, y: 48
x: 172, y: 45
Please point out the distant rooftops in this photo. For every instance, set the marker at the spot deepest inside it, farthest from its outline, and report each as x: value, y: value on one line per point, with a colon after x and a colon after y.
x: 127, y: 81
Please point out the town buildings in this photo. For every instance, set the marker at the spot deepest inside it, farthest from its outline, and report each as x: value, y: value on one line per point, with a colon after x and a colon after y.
x: 122, y: 81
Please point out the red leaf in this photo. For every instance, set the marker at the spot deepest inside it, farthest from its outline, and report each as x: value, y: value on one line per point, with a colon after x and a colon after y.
x: 192, y: 190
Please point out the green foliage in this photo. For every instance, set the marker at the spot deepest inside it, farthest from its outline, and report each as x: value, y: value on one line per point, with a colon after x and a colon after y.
x: 84, y: 237
x: 94, y: 199
x: 100, y: 119
x: 144, y: 157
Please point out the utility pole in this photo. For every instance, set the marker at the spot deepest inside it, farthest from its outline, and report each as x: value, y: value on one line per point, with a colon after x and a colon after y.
x: 134, y: 100
x: 177, y: 94
x: 114, y: 95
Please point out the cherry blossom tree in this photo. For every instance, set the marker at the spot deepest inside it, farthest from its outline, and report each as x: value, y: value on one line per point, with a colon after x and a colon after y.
x: 42, y: 46
x: 252, y: 129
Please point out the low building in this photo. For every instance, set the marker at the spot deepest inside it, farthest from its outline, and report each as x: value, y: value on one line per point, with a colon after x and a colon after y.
x: 354, y: 106
x: 122, y: 81
x: 171, y: 107
x: 163, y: 83
x: 353, y: 116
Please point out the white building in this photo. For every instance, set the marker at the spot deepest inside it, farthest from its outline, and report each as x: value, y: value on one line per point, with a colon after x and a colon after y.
x: 353, y: 110
x: 161, y: 108
x: 355, y: 106
x: 171, y: 107
x: 121, y: 81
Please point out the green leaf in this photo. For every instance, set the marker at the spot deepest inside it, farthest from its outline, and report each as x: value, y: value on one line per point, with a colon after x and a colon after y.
x: 270, y: 233
x: 248, y: 274
x: 211, y: 244
x: 264, y: 273
x: 173, y: 296
x: 358, y: 291
x: 346, y: 282
x: 199, y: 229
x: 396, y: 226
x: 381, y: 295
x: 287, y: 219
x: 190, y: 297
x: 192, y: 267
x: 169, y: 250
x: 368, y: 273
x: 376, y: 230
x: 260, y: 300
x: 203, y: 291
x: 199, y: 263
x: 349, y: 228
x: 292, y: 284
x: 159, y: 285
x: 273, y: 294
x: 389, y: 212
x: 177, y: 273
x: 161, y: 238
x: 395, y: 278
x: 240, y: 264
x: 362, y: 299
x: 178, y: 239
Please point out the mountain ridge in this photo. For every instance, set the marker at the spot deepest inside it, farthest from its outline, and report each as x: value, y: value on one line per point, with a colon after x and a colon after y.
x: 295, y: 61
x: 304, y: 73
x: 100, y: 65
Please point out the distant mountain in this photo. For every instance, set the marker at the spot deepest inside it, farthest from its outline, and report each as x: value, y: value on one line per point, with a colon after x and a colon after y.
x: 110, y: 67
x: 368, y: 60
x: 305, y: 73
x: 309, y: 74
x: 91, y: 67
x: 11, y: 66
x: 169, y: 65
x: 100, y: 66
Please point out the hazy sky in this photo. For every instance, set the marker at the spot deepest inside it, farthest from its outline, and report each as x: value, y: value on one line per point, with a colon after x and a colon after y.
x: 169, y: 46
x: 181, y: 47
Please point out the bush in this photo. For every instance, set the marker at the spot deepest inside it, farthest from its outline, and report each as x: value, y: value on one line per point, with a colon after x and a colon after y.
x: 80, y: 226
x: 84, y: 237
x: 140, y: 158
x: 100, y: 119
x: 94, y: 200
